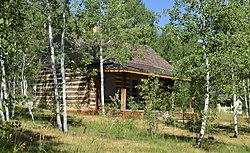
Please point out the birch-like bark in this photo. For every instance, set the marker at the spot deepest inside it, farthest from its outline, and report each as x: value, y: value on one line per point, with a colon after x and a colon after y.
x: 102, y: 76
x: 58, y: 118
x: 4, y: 90
x: 30, y: 111
x: 246, y: 101
x: 235, y: 116
x: 206, y: 105
x: 28, y: 103
x: 14, y: 87
x: 1, y: 106
x: 248, y: 88
x: 65, y: 125
x: 234, y: 107
x: 1, y: 112
x: 34, y: 94
x: 21, y: 85
x: 1, y: 97
x: 25, y: 88
x: 9, y: 83
x: 22, y: 76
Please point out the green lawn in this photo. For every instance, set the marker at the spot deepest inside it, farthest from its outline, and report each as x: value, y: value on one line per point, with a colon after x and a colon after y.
x: 97, y: 134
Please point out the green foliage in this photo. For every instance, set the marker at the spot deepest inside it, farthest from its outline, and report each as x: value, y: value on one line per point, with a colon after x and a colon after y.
x: 132, y: 104
x: 181, y: 95
x: 121, y: 31
x: 153, y: 94
x: 115, y: 105
x: 194, y: 123
x: 7, y: 136
x: 121, y: 126
x: 222, y: 27
x: 155, y: 99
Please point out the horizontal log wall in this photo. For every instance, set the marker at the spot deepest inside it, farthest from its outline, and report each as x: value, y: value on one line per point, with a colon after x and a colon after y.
x: 80, y: 90
x: 123, y: 81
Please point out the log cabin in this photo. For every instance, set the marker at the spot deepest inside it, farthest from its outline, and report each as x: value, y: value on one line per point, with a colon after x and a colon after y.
x: 83, y: 93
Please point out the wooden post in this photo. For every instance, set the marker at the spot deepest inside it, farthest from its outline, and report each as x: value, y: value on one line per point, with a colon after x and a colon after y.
x: 123, y: 99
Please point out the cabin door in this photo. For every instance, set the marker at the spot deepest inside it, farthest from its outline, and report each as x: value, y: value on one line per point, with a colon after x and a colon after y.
x: 134, y: 92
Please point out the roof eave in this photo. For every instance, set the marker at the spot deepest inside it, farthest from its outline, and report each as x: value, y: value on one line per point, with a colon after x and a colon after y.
x: 138, y: 72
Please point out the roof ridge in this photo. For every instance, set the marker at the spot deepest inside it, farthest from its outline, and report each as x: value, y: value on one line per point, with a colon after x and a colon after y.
x: 150, y: 65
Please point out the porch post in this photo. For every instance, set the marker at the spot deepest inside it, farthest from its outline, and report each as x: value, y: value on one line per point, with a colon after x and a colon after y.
x: 123, y: 99
x: 123, y: 92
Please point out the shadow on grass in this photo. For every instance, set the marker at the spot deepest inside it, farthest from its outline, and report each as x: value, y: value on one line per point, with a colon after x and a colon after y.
x: 179, y: 138
x: 43, y: 116
x: 120, y: 130
x: 21, y: 140
x: 229, y: 129
x: 210, y: 144
x: 218, y: 146
x: 14, y: 138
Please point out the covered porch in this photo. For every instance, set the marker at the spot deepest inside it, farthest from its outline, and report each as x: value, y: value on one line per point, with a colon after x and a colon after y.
x: 126, y: 81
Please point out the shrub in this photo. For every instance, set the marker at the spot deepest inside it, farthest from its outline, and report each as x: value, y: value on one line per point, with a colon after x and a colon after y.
x: 156, y: 101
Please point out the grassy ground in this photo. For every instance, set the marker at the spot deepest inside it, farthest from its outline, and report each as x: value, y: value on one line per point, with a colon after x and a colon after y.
x: 97, y: 134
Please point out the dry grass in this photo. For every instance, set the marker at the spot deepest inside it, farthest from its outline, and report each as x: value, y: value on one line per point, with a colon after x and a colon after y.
x: 109, y: 134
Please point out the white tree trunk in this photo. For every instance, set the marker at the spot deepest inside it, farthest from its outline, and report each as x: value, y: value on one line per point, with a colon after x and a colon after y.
x: 25, y: 86
x: 1, y: 106
x: 1, y: 112
x: 9, y: 82
x: 58, y: 118
x: 21, y: 85
x: 30, y: 111
x: 14, y: 88
x: 25, y: 89
x: 65, y: 126
x: 206, y: 105
x: 234, y: 107
x: 235, y: 116
x: 248, y: 88
x: 28, y: 103
x: 246, y: 103
x: 34, y: 94
x: 1, y: 95
x: 102, y: 76
x: 23, y: 77
x: 5, y: 97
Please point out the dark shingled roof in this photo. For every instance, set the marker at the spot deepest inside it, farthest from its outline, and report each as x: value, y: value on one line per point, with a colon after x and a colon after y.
x: 151, y: 62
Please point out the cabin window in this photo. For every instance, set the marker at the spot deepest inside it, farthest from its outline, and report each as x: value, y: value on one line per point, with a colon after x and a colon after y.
x: 109, y: 86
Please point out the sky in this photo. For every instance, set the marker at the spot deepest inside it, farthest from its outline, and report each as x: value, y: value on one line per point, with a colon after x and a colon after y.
x: 158, y: 6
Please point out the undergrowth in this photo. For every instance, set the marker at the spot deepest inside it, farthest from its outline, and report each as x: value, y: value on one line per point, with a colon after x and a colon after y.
x: 109, y: 134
